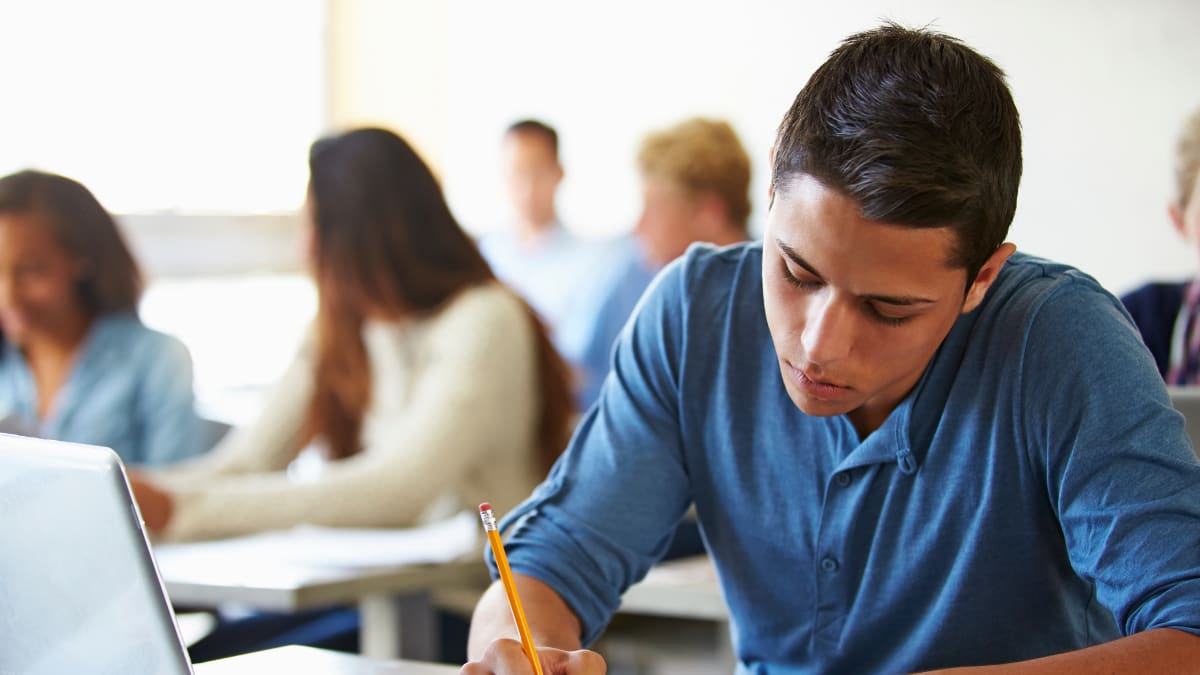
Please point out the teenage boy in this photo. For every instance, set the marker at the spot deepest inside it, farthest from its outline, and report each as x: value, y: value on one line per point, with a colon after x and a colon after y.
x: 909, y: 447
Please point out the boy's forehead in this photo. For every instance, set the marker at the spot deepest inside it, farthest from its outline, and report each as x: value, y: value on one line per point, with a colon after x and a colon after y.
x: 820, y: 225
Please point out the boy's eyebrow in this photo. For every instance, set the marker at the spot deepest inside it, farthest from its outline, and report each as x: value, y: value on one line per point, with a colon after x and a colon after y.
x: 797, y: 258
x: 899, y: 300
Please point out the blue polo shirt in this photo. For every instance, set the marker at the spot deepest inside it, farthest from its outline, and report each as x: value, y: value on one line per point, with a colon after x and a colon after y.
x: 1035, y: 493
x: 129, y: 389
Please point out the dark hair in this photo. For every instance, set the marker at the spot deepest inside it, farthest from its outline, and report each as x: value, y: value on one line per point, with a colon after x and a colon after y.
x: 918, y: 129
x: 536, y: 128
x: 385, y: 242
x: 111, y: 280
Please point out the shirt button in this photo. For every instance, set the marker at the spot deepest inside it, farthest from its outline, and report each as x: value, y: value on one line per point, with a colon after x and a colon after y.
x: 843, y: 479
x: 829, y: 564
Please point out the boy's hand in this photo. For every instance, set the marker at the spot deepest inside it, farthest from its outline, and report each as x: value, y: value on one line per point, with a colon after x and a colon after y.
x: 505, y: 657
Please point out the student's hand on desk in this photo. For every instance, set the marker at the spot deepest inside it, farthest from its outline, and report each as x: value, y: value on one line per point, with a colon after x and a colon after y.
x: 505, y: 657
x: 154, y: 503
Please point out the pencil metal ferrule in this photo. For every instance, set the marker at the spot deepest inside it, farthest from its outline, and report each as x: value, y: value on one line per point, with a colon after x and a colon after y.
x: 489, y: 520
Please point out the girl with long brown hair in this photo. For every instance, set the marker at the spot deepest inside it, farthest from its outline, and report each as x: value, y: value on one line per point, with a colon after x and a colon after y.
x: 427, y: 385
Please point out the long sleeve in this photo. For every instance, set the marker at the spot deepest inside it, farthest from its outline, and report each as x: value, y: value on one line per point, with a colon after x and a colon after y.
x: 1119, y: 470
x: 451, y: 424
x: 608, y: 508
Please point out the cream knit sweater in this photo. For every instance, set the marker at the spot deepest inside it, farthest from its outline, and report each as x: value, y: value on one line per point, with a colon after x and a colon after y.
x: 451, y: 423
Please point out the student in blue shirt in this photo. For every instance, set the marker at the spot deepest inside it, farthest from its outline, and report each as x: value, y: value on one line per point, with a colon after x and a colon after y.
x: 549, y: 266
x: 76, y: 363
x: 535, y: 254
x: 910, y: 447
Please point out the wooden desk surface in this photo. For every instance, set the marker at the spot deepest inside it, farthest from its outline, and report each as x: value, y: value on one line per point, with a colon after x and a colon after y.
x: 310, y: 661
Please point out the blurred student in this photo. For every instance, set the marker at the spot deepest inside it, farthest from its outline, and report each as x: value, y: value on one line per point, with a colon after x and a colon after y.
x: 1166, y: 313
x: 535, y: 255
x: 695, y: 188
x: 426, y: 383
x: 76, y: 362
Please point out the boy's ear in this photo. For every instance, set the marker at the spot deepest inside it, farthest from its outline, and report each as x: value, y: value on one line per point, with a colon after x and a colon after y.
x: 986, y: 276
x: 771, y: 179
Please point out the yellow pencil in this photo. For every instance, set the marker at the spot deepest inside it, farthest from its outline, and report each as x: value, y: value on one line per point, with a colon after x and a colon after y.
x: 514, y: 601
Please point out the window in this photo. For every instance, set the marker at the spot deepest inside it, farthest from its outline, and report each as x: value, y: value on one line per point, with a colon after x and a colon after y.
x: 166, y: 106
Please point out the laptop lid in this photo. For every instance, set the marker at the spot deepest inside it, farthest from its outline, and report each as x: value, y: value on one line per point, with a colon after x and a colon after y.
x: 79, y: 590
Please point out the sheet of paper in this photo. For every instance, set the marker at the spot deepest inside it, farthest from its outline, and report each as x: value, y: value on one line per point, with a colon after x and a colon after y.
x: 327, y: 547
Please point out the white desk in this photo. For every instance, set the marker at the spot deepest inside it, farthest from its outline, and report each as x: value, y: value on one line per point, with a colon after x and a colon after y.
x: 388, y: 598
x: 194, y: 625
x: 686, y: 588
x: 317, y: 662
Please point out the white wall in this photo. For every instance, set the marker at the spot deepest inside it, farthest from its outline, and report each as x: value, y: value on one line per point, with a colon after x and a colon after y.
x: 387, y: 66
x: 1102, y: 85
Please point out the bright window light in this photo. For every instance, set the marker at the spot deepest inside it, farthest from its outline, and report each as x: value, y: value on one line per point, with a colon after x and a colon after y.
x: 166, y: 106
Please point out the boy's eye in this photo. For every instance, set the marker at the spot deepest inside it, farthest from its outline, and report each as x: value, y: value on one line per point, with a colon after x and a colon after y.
x: 884, y: 318
x: 797, y: 281
x: 872, y: 311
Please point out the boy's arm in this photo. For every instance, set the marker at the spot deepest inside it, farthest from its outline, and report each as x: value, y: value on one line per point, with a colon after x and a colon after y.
x: 494, y: 646
x: 1162, y: 650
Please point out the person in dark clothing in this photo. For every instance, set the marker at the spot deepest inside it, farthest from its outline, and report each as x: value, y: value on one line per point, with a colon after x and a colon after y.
x: 1166, y: 312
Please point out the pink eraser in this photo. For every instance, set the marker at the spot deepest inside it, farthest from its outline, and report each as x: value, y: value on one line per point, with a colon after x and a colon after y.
x: 486, y: 506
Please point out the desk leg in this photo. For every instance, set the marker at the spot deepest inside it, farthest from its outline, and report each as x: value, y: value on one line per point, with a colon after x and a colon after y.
x: 724, y: 645
x: 396, y: 627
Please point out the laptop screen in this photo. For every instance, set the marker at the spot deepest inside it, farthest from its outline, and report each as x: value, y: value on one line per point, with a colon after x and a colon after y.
x: 79, y: 591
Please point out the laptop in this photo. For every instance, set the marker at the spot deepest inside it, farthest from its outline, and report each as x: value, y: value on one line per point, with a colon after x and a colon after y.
x: 79, y: 589
x: 1187, y: 401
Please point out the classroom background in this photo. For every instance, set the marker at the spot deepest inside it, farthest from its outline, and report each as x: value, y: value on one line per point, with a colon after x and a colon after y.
x: 192, y: 121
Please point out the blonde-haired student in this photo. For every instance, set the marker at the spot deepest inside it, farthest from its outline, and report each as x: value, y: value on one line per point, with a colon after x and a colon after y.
x: 1166, y: 312
x: 695, y: 178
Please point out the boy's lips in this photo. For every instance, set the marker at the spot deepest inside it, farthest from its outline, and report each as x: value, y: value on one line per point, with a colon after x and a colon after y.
x: 819, y: 388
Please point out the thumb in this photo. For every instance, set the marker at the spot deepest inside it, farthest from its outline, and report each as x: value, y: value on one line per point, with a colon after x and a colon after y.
x: 579, y: 662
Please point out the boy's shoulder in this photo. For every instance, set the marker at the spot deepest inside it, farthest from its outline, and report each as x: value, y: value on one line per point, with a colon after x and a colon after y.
x: 1027, y: 282
x: 706, y: 266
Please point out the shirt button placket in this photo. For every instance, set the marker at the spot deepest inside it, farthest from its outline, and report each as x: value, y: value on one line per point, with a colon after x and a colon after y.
x: 830, y: 609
